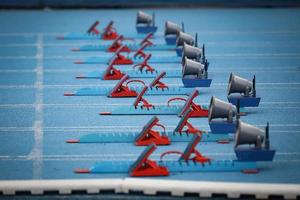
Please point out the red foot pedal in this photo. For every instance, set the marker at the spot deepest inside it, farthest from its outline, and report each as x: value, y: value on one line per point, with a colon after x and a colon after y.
x: 112, y: 73
x: 145, y: 64
x: 144, y: 102
x: 110, y: 32
x: 189, y: 151
x: 115, y: 46
x: 197, y: 110
x: 157, y: 83
x: 184, y: 123
x: 122, y: 90
x: 93, y: 29
x: 145, y: 167
x: 140, y: 52
x: 146, y: 40
x: 149, y: 136
x: 119, y: 59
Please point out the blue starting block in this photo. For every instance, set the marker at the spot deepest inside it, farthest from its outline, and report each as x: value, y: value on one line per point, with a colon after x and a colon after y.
x: 142, y: 107
x: 122, y: 89
x: 132, y: 73
x: 145, y: 44
x: 182, y: 133
x: 128, y: 60
x: 190, y: 160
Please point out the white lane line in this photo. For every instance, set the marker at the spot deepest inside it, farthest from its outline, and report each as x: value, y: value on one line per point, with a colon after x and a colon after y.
x: 281, y: 85
x: 270, y: 70
x: 214, y: 32
x: 131, y: 127
x: 220, y: 32
x: 37, y: 151
x: 263, y: 44
x: 114, y: 126
x: 248, y: 55
x: 91, y: 105
x: 114, y: 129
x: 84, y: 156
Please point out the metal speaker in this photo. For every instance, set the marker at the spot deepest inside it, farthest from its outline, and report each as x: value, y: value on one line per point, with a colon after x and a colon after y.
x: 193, y: 68
x: 238, y: 84
x: 143, y: 18
x: 191, y: 52
x: 172, y: 28
x: 184, y: 38
x: 248, y: 134
x: 221, y: 109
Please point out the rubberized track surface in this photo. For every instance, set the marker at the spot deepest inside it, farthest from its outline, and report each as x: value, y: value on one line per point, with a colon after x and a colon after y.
x: 35, y: 69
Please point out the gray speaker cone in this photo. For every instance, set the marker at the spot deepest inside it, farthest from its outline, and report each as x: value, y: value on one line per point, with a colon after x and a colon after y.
x: 248, y: 134
x: 184, y: 38
x: 221, y: 109
x: 191, y: 52
x: 237, y: 84
x: 143, y: 18
x: 192, y: 68
x: 172, y: 28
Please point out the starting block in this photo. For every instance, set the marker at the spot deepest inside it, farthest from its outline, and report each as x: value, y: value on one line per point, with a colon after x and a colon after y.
x: 182, y: 133
x: 142, y: 107
x: 109, y: 33
x: 119, y: 59
x: 132, y: 46
x: 122, y: 89
x: 140, y: 70
x: 191, y: 160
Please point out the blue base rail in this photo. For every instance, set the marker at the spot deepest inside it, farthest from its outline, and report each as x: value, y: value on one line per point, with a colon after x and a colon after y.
x: 130, y: 137
x: 177, y: 166
x: 105, y: 91
x: 131, y: 46
x: 156, y: 110
x: 88, y: 36
x: 106, y: 59
x: 98, y: 37
x: 133, y: 73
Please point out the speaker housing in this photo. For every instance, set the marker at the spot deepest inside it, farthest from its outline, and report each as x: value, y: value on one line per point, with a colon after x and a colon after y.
x: 191, y: 52
x: 145, y: 23
x: 237, y: 84
x: 184, y: 38
x: 192, y: 69
x: 249, y: 134
x: 221, y: 109
x: 172, y: 28
x: 242, y: 90
x: 144, y: 18
x: 218, y: 110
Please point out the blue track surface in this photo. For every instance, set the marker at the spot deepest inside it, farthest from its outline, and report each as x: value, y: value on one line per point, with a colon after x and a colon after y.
x: 36, y: 69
